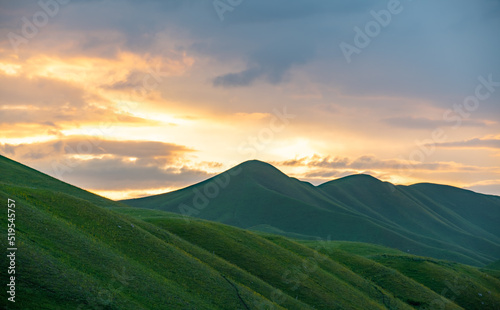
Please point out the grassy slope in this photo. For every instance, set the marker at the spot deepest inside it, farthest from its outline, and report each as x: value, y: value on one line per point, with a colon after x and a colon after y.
x: 75, y: 254
x: 71, y: 251
x: 494, y: 265
x: 303, y: 269
x: 465, y: 285
x: 425, y: 211
x: 358, y: 248
x: 281, y: 268
x: 436, y: 225
x: 409, y: 276
x: 14, y: 173
x: 257, y: 196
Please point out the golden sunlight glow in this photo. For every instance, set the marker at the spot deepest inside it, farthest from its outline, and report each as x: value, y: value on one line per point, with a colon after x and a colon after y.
x: 27, y: 140
x: 400, y: 180
x: 85, y: 156
x: 299, y: 147
x: 18, y: 107
x: 9, y: 68
x: 134, y: 109
x: 112, y: 131
x: 252, y: 116
x: 96, y: 72
x: 129, y: 194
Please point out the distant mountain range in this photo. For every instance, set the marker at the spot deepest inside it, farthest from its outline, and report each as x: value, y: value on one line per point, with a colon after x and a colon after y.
x: 425, y: 219
x: 77, y: 250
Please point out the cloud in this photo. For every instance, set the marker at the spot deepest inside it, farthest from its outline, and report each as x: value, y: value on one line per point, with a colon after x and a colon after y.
x: 472, y: 143
x: 319, y: 169
x: 95, y: 146
x: 491, y: 187
x: 121, y: 174
x: 322, y: 174
x: 49, y: 104
x: 99, y: 164
x: 271, y: 64
x: 318, y: 161
x: 370, y: 162
x: 133, y: 79
x: 41, y: 92
x: 410, y: 122
x: 271, y: 38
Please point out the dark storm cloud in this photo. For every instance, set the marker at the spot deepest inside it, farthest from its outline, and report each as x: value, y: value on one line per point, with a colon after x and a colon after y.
x: 421, y: 52
x: 272, y: 64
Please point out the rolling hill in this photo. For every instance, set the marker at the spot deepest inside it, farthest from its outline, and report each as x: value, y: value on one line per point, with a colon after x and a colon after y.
x: 76, y: 250
x: 425, y: 219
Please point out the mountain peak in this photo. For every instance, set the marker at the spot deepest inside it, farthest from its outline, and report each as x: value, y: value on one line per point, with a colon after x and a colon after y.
x: 353, y: 179
x: 257, y: 166
x: 254, y: 162
x: 361, y: 176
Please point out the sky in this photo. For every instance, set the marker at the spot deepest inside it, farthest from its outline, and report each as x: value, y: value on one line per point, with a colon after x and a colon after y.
x: 128, y: 98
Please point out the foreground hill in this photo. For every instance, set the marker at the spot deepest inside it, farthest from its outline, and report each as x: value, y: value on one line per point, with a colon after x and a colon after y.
x: 75, y: 252
x: 426, y: 219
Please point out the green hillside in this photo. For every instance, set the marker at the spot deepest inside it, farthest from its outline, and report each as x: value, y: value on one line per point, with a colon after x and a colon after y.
x: 75, y: 252
x: 494, y: 265
x: 14, y: 173
x: 424, y: 219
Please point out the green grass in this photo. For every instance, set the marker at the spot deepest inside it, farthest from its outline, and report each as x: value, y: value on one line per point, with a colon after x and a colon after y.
x: 424, y: 219
x: 76, y: 253
x: 494, y: 265
x: 387, y: 279
x: 465, y: 285
x: 14, y: 173
x: 273, y: 264
x: 410, y: 278
x: 86, y: 245
x: 358, y: 248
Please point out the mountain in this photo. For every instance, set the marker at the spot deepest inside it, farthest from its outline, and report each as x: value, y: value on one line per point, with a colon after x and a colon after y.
x: 76, y: 250
x: 425, y: 219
